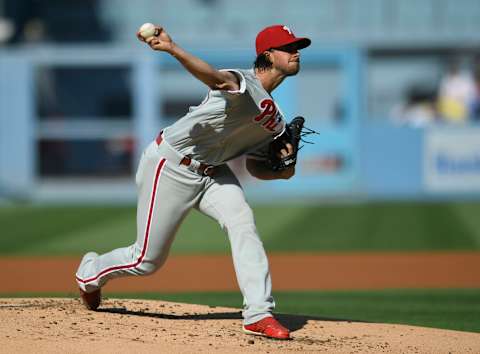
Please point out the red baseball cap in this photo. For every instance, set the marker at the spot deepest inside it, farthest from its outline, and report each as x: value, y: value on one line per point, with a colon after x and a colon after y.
x: 278, y: 36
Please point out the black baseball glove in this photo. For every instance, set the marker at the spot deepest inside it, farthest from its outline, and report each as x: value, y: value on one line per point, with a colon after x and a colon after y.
x: 292, y: 135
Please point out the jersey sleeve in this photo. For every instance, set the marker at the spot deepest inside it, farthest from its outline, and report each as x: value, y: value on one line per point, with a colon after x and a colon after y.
x: 241, y: 79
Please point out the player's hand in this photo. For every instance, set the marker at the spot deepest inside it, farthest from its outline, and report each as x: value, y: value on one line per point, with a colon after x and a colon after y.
x: 161, y: 41
x: 286, y: 151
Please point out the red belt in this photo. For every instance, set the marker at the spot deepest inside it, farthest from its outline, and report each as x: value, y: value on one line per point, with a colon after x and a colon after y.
x: 203, y: 169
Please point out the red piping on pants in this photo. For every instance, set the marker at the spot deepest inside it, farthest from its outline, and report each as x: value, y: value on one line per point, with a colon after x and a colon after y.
x: 147, y: 233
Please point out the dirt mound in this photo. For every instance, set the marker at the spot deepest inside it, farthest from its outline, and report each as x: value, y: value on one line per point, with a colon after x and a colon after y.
x: 126, y: 326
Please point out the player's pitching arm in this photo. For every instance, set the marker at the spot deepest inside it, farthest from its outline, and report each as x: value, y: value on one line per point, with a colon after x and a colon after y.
x: 213, y: 78
x: 258, y: 169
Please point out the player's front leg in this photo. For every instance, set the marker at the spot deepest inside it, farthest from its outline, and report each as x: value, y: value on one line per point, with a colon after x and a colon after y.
x: 159, y: 213
x: 224, y: 201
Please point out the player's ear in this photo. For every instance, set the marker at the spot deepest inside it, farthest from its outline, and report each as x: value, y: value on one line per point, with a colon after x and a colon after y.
x: 268, y: 55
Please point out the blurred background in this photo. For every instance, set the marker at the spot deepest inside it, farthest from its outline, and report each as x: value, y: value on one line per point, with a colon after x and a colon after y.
x: 393, y: 87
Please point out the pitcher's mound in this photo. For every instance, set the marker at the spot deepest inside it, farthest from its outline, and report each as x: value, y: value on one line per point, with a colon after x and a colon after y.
x: 140, y: 326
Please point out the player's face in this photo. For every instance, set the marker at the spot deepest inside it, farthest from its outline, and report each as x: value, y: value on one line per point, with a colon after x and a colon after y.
x: 287, y: 59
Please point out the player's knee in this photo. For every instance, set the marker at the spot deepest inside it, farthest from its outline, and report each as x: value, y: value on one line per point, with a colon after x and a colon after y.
x: 150, y: 266
x: 240, y: 216
x: 146, y: 268
x: 147, y: 263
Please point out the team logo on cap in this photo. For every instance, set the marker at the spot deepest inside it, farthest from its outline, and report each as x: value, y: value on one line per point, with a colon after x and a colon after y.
x: 287, y: 29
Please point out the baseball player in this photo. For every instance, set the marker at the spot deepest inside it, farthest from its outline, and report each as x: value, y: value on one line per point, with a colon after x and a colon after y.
x: 185, y: 167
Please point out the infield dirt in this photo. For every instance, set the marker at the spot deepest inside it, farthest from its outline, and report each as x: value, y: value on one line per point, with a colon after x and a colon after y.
x: 124, y: 326
x: 134, y: 326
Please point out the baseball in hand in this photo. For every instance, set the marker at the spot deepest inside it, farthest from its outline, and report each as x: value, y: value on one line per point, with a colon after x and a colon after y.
x: 147, y: 30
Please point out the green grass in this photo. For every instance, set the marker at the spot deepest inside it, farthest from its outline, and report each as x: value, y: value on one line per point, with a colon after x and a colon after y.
x: 449, y: 309
x: 406, y: 226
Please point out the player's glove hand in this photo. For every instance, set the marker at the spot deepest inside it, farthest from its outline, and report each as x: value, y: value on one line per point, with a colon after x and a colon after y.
x: 283, y: 150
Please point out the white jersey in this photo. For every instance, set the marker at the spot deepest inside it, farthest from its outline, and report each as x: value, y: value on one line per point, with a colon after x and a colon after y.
x: 228, y: 124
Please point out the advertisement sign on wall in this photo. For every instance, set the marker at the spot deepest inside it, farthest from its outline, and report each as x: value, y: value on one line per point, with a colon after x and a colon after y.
x: 452, y: 160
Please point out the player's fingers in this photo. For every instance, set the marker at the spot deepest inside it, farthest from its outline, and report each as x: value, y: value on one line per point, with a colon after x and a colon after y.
x: 140, y: 38
x: 289, y: 148
x: 155, y: 44
x: 158, y: 30
x: 159, y: 46
x: 149, y: 40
